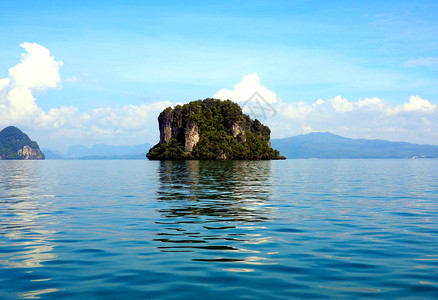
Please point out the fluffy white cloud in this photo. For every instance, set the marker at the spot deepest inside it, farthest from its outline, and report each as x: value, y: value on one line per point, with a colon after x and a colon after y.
x: 415, y: 120
x: 341, y: 105
x: 318, y: 102
x: 243, y: 90
x: 126, y: 118
x: 4, y: 82
x: 415, y: 104
x: 371, y: 104
x: 299, y: 110
x: 39, y: 71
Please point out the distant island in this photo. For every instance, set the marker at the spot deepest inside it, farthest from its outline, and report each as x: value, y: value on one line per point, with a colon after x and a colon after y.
x: 15, y: 144
x: 328, y: 145
x: 100, y: 152
x: 211, y: 129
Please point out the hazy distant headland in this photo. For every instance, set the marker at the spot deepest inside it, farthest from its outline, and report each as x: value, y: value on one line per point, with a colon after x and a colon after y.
x: 15, y: 144
x: 211, y: 129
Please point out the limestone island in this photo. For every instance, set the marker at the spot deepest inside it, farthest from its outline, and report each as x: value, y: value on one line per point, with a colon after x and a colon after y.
x: 15, y: 144
x: 211, y: 129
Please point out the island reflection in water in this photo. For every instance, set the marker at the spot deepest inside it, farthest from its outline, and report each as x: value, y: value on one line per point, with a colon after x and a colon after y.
x: 217, y: 210
x: 227, y: 229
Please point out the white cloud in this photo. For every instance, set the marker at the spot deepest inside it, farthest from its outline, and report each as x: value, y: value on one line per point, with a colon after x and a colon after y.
x: 299, y: 110
x: 72, y: 79
x: 245, y: 89
x: 371, y: 104
x: 306, y: 129
x: 415, y: 104
x: 21, y: 104
x: 128, y: 117
x: 424, y: 61
x: 318, y: 102
x: 341, y: 105
x: 39, y: 71
x: 427, y: 122
x: 4, y: 82
x: 65, y: 116
x: 75, y: 79
x: 415, y: 120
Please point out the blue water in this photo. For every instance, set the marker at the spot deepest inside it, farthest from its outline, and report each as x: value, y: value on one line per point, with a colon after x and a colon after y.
x: 341, y: 229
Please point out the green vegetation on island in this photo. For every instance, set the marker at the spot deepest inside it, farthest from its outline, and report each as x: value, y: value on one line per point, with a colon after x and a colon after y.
x: 211, y: 129
x: 14, y: 144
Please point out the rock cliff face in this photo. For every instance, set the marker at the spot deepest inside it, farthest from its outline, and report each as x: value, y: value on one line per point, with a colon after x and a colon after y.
x: 237, y: 131
x: 191, y: 136
x: 211, y: 129
x: 165, y: 125
x: 30, y: 153
x: 14, y: 144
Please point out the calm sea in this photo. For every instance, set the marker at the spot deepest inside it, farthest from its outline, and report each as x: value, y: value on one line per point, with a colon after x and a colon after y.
x: 219, y: 230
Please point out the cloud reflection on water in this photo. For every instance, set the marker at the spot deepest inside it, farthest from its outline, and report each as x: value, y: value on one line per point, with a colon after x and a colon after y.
x: 24, y: 222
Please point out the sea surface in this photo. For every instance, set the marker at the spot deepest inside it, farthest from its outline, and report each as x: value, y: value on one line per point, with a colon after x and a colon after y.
x: 294, y: 229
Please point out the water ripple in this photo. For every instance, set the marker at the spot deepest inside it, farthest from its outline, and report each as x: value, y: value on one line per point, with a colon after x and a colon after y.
x: 195, y: 229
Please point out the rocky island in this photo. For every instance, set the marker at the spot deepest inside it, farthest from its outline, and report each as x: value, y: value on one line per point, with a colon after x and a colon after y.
x: 211, y: 129
x: 15, y: 144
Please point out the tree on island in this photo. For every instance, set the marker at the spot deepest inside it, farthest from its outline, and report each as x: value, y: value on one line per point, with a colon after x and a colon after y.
x: 211, y: 129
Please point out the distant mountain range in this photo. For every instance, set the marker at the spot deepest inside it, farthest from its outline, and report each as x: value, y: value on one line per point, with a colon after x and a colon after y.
x: 328, y: 145
x: 101, y: 151
x: 311, y: 145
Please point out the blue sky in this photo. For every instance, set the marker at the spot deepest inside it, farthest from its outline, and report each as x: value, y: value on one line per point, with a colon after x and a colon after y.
x: 141, y: 53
